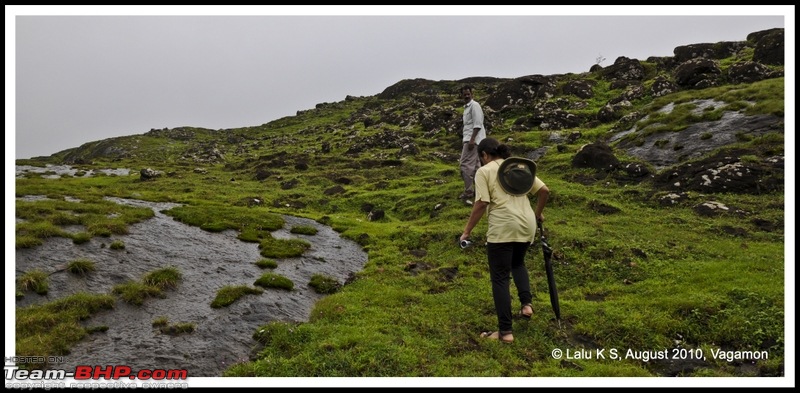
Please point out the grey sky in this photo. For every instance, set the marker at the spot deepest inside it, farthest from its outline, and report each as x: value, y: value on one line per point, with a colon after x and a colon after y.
x: 82, y: 76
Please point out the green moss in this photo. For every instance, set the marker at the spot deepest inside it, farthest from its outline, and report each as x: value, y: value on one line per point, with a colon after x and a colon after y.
x: 324, y: 284
x: 267, y: 263
x: 270, y: 280
x: 229, y: 294
x: 304, y: 230
x: 283, y: 248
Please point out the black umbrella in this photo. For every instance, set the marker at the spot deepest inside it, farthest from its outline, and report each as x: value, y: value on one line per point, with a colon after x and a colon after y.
x: 547, y: 251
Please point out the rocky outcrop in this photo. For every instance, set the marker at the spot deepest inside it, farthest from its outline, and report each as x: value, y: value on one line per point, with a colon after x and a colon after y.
x: 748, y: 72
x: 697, y: 73
x: 719, y: 50
x: 769, y: 46
x: 624, y: 69
x: 597, y: 156
x: 522, y: 92
x: 726, y: 172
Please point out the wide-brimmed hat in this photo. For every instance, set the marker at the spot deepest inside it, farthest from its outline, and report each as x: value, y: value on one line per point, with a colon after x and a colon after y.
x: 516, y: 175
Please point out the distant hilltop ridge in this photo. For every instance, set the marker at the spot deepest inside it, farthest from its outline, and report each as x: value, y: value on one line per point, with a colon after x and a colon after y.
x: 608, y: 106
x: 692, y: 67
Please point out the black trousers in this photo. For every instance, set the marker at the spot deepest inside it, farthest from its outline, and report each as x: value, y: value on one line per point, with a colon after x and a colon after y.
x: 507, y: 260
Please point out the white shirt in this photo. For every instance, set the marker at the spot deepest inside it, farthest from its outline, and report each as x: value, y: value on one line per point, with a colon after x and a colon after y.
x: 473, y: 118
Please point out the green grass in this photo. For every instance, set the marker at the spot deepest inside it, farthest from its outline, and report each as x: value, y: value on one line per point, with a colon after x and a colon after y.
x: 229, y: 294
x: 117, y: 245
x: 161, y: 321
x: 153, y: 284
x: 282, y: 248
x: 266, y: 263
x: 81, y: 238
x: 81, y: 267
x: 164, y: 278
x: 50, y: 329
x: 324, y: 284
x: 304, y: 230
x: 135, y: 292
x: 271, y: 280
x: 45, y: 218
x: 178, y: 328
x: 35, y: 280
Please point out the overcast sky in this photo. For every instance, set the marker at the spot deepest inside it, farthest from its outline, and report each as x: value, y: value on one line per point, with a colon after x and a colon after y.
x: 86, y: 74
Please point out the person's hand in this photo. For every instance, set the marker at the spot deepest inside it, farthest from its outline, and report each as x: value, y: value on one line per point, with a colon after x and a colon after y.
x: 540, y: 217
x: 471, y: 145
x: 464, y: 236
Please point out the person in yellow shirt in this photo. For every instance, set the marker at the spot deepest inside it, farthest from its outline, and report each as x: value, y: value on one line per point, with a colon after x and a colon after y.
x: 502, y: 186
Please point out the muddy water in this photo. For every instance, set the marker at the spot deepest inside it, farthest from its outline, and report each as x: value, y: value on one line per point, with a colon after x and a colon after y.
x: 207, y: 262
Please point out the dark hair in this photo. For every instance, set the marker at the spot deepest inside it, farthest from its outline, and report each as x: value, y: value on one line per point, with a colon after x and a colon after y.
x: 494, y: 148
x: 466, y: 87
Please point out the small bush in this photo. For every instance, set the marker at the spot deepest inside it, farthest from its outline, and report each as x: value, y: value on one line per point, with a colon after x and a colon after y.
x: 270, y: 280
x: 117, y: 245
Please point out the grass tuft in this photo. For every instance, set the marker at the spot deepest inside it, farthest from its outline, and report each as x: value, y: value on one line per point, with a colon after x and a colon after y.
x: 270, y: 280
x: 229, y: 294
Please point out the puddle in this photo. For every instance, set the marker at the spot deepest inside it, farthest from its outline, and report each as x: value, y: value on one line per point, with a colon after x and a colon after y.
x: 57, y: 171
x: 207, y: 262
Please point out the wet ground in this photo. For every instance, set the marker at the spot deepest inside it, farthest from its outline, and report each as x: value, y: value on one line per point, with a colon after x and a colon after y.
x: 207, y: 262
x: 57, y: 171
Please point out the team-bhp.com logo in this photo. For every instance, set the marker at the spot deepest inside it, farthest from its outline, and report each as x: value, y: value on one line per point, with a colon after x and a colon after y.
x: 93, y: 377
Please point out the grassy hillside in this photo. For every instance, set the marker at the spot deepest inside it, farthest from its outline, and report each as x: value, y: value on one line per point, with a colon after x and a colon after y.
x: 637, y: 277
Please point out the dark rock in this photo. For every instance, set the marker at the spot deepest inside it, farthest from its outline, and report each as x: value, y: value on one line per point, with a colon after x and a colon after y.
x: 597, y: 156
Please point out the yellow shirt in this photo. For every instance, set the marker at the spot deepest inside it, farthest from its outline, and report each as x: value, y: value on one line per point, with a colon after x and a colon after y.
x: 511, y: 217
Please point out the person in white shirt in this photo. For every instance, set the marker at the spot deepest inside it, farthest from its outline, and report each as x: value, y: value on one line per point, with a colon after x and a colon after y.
x: 471, y: 135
